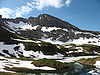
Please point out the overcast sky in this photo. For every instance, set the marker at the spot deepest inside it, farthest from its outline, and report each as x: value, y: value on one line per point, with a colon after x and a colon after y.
x: 84, y: 14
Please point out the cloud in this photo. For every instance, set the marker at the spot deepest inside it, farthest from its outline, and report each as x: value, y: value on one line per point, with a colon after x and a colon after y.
x: 18, y: 12
x: 6, y: 12
x: 40, y: 4
x: 68, y: 2
x: 22, y: 10
x: 34, y: 4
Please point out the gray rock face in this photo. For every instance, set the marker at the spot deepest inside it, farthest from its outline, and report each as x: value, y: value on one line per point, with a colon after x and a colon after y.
x: 53, y: 28
x: 16, y: 20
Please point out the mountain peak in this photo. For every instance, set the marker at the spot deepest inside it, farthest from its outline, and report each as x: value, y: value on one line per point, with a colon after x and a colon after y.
x: 50, y: 21
x: 47, y: 15
x: 44, y: 15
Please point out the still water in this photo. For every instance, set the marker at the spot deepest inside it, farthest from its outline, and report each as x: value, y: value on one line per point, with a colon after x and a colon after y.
x: 75, y: 69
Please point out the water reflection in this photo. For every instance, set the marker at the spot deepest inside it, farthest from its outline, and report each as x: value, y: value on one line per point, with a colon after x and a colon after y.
x: 75, y: 69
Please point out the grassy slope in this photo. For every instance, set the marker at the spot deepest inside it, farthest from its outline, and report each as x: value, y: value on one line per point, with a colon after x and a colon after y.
x: 7, y: 73
x: 89, y: 61
x: 45, y: 62
x: 50, y: 63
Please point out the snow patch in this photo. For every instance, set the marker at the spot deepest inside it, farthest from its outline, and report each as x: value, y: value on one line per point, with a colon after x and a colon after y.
x: 53, y: 42
x: 94, y: 72
x: 97, y: 64
x: 49, y: 29
x: 78, y: 32
x: 9, y: 48
x: 27, y: 40
x: 19, y: 63
x: 93, y: 41
x: 21, y: 25
x: 40, y: 55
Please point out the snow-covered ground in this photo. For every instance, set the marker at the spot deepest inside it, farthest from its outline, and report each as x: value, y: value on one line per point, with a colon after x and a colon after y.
x: 25, y: 26
x: 22, y: 25
x: 53, y: 42
x: 94, y: 41
x: 6, y: 62
x: 45, y: 29
x: 40, y: 55
x: 96, y: 71
x: 97, y: 64
x: 9, y: 48
x: 48, y: 29
x: 78, y: 32
x: 27, y: 40
x: 37, y: 54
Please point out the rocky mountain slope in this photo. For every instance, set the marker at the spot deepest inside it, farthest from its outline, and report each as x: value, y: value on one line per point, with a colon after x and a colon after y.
x: 47, y: 37
x: 51, y: 29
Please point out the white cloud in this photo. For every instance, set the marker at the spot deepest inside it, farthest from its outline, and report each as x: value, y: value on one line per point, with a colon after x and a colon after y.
x: 6, y: 12
x: 34, y: 4
x: 68, y: 2
x: 19, y: 12
x: 39, y: 4
x: 22, y: 10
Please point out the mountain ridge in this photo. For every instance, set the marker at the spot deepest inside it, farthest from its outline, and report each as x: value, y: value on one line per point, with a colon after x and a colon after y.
x: 19, y: 36
x: 18, y: 19
x: 47, y: 27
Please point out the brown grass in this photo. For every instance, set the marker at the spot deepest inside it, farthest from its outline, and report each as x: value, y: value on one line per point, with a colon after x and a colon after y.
x: 89, y: 61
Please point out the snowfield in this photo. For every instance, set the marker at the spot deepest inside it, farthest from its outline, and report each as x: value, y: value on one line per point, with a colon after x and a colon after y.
x: 40, y: 55
x: 94, y: 41
x: 11, y: 63
x: 97, y: 69
x: 27, y: 40
x: 24, y: 26
x: 80, y: 41
x: 53, y: 42
x: 37, y: 54
x: 6, y: 62
x: 97, y: 64
x: 49, y: 29
x: 10, y: 48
